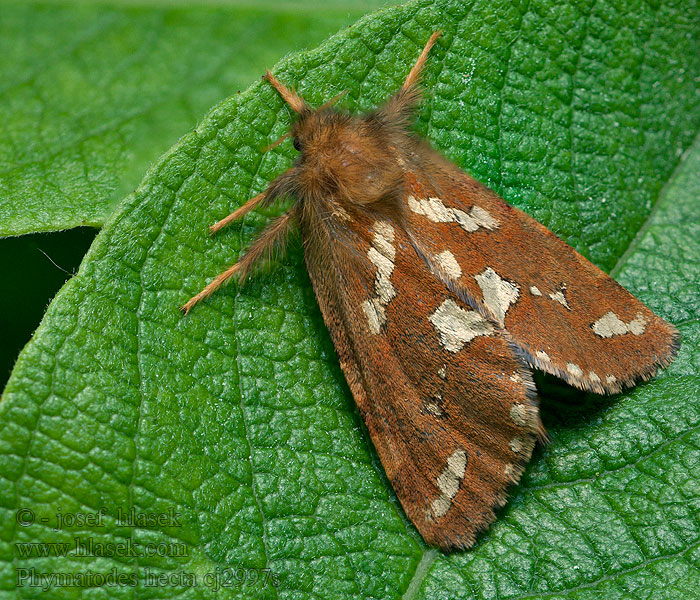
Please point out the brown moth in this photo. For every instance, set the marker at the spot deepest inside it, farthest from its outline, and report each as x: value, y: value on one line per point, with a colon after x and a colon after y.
x: 440, y: 299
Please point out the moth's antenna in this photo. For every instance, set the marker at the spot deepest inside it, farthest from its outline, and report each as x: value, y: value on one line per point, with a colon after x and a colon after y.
x: 218, y: 281
x: 398, y: 110
x: 415, y: 71
x: 295, y: 101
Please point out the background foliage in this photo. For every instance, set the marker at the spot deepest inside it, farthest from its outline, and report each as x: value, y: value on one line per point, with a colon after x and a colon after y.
x: 91, y: 95
x: 583, y: 114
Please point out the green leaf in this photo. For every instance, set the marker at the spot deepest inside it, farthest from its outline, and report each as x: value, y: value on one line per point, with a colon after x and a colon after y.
x: 238, y: 417
x: 90, y: 96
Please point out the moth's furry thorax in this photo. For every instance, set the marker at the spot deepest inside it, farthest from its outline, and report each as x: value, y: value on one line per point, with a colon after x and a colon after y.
x: 352, y: 159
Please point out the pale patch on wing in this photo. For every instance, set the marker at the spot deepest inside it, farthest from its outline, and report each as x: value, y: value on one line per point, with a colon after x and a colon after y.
x: 382, y: 284
x: 516, y: 445
x: 384, y: 239
x: 374, y: 311
x: 637, y: 325
x: 382, y: 254
x: 448, y: 482
x: 519, y: 414
x: 509, y: 471
x: 542, y: 355
x: 574, y: 369
x: 610, y: 324
x: 434, y: 409
x: 483, y: 217
x: 457, y: 326
x: 449, y: 265
x: 499, y: 294
x: 558, y: 296
x: 435, y: 210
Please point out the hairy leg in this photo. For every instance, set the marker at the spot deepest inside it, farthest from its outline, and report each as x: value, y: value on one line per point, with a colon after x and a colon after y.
x: 272, y: 238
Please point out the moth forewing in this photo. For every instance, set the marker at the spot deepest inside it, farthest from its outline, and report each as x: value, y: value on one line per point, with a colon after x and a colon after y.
x: 450, y: 409
x: 440, y: 298
x: 566, y: 316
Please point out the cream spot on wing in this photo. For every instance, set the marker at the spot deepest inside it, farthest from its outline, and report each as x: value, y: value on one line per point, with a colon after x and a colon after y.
x: 611, y: 379
x: 559, y: 297
x: 509, y: 471
x: 457, y: 463
x: 374, y: 312
x: 440, y: 506
x: 381, y: 254
x: 534, y: 290
x: 542, y: 355
x: 435, y: 210
x: 594, y: 377
x: 448, y: 482
x: 434, y: 409
x: 449, y: 265
x: 384, y: 239
x: 483, y: 217
x: 519, y: 414
x: 382, y: 284
x: 610, y: 324
x: 516, y: 445
x: 442, y: 372
x: 574, y: 369
x: 457, y: 326
x: 515, y: 378
x: 637, y: 325
x: 499, y: 294
x: 385, y: 291
x: 464, y: 220
x: 414, y: 205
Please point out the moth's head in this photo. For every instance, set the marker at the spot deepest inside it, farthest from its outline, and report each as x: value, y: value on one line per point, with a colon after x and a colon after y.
x: 341, y: 156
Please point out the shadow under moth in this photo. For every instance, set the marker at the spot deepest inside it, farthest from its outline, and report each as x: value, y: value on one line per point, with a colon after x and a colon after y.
x: 441, y: 299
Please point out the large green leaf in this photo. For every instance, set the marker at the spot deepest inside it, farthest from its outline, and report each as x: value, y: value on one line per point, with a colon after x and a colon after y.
x: 238, y: 417
x: 91, y: 96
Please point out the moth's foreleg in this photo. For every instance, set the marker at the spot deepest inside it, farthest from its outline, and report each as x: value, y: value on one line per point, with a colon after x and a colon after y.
x: 272, y: 238
x: 284, y: 185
